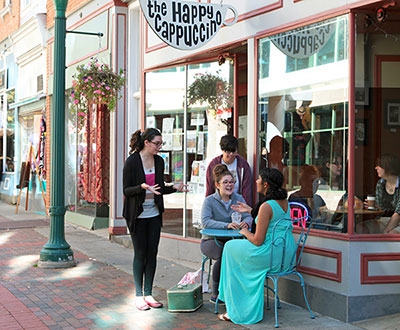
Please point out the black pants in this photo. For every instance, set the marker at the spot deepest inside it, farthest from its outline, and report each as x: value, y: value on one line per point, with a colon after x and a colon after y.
x: 145, y: 246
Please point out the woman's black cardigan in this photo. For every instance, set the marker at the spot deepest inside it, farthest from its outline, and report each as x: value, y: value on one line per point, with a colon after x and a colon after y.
x: 133, y: 177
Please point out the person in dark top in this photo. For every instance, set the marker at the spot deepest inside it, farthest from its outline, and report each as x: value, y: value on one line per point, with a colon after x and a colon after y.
x: 144, y: 187
x: 387, y: 194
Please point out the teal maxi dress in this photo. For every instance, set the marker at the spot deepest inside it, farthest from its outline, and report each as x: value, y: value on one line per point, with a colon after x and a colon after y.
x: 243, y: 269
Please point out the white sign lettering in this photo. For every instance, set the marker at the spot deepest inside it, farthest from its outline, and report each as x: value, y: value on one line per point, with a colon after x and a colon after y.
x: 185, y: 24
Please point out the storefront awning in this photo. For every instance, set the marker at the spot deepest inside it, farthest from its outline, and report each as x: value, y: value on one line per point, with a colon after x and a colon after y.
x: 26, y: 101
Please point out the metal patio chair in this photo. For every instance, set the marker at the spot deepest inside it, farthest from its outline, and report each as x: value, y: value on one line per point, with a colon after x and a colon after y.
x: 278, y: 249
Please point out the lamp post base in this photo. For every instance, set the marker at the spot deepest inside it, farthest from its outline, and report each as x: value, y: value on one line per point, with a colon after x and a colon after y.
x: 56, y: 258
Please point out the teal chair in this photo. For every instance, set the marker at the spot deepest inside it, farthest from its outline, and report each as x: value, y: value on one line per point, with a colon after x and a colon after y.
x: 278, y: 249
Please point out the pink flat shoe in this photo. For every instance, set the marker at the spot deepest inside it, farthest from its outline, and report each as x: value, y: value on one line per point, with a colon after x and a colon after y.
x: 152, y: 302
x: 141, y: 304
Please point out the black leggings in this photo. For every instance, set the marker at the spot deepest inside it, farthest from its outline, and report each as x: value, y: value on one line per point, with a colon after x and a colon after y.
x: 145, y: 246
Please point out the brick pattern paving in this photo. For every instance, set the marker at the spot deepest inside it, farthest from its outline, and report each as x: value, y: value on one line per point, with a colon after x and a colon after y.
x: 91, y: 295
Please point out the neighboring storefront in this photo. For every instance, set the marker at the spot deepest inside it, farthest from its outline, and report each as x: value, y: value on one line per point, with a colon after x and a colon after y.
x: 314, y: 89
x: 94, y: 134
x: 23, y: 110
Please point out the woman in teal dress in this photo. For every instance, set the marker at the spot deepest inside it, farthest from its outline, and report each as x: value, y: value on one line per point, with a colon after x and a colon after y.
x: 245, y: 262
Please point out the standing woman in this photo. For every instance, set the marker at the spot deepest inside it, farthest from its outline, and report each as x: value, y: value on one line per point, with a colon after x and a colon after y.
x: 143, y: 184
x: 245, y: 262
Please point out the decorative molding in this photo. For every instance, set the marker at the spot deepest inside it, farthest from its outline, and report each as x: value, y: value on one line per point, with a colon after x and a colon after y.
x: 336, y: 255
x: 367, y: 258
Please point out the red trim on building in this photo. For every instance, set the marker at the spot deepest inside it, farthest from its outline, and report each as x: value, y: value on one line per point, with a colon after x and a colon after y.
x: 366, y: 258
x: 337, y: 255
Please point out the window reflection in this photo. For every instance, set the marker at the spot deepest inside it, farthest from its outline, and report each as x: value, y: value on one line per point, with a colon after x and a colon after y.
x: 303, y: 117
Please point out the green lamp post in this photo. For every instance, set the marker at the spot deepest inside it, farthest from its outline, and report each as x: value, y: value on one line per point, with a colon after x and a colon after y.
x: 56, y: 253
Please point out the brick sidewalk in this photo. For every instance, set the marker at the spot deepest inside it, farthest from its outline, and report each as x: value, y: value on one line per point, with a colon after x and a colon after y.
x: 91, y: 295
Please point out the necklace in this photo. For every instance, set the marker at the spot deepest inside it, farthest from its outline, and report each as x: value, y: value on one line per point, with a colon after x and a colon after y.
x: 390, y: 188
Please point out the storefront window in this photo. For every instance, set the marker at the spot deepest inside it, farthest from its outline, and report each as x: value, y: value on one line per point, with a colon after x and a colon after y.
x: 10, y: 137
x: 303, y: 116
x: 88, y: 164
x: 188, y: 125
x: 377, y: 119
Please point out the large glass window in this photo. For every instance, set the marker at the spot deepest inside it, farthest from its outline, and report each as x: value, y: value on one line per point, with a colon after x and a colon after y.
x: 377, y: 118
x: 303, y: 116
x: 10, y: 136
x: 181, y: 102
x: 87, y: 161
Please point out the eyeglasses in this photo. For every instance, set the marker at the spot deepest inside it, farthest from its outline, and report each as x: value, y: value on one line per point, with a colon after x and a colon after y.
x: 230, y: 152
x: 225, y: 183
x: 157, y: 144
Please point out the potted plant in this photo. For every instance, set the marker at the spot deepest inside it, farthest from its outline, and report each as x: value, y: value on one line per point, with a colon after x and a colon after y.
x: 95, y: 83
x: 213, y: 90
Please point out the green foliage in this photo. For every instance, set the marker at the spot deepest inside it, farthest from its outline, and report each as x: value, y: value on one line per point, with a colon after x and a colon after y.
x: 211, y: 89
x: 95, y: 83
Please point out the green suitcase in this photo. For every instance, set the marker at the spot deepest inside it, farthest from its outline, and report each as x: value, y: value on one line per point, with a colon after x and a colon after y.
x: 185, y: 298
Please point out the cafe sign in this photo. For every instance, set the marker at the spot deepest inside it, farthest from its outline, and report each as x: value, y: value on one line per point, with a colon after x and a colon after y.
x: 186, y: 25
x: 305, y: 41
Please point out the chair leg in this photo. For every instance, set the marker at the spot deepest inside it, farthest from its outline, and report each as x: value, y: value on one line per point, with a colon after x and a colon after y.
x: 304, y: 294
x: 216, y: 306
x: 277, y: 302
x: 203, y: 263
x: 209, y: 271
x: 271, y: 289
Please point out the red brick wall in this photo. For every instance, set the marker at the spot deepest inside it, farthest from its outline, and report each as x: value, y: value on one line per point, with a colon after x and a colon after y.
x: 11, y: 20
x: 71, y: 7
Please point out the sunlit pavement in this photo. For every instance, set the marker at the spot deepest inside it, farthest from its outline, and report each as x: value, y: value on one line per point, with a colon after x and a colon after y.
x: 91, y: 295
x: 99, y: 294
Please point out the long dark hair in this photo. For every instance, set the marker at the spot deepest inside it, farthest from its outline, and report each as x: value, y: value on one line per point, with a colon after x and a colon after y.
x: 390, y: 163
x: 275, y: 179
x: 138, y: 138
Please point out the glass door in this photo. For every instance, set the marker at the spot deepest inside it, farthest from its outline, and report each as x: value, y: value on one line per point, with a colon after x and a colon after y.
x: 183, y: 103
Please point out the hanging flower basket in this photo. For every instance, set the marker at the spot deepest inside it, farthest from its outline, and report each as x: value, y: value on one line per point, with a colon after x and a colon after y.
x: 95, y: 83
x: 211, y: 89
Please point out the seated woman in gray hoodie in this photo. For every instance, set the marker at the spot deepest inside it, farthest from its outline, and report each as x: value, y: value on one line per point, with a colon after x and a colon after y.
x: 216, y: 213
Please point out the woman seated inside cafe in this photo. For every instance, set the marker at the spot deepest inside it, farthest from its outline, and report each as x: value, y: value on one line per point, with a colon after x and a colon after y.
x: 307, y: 194
x: 216, y: 213
x: 387, y: 193
x: 246, y: 262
